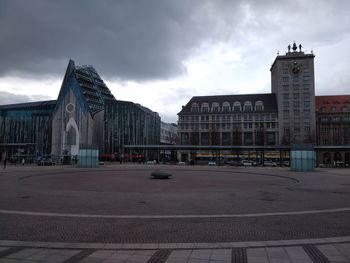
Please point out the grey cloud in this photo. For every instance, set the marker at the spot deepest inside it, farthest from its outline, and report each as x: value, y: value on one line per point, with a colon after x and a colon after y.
x: 145, y: 40
x: 11, y: 98
x: 122, y: 39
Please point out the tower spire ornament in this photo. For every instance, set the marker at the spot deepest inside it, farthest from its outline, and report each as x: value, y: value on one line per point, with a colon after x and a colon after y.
x: 288, y: 48
x: 294, y: 47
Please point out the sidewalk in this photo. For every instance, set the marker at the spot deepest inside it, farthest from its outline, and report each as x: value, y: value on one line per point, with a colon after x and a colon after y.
x: 293, y: 251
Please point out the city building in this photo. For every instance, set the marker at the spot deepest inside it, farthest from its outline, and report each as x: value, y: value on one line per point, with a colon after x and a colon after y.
x: 229, y: 120
x: 78, y: 115
x: 333, y: 129
x: 168, y: 133
x: 85, y: 115
x: 293, y: 82
x: 168, y: 136
x: 286, y: 118
x: 127, y: 123
x: 25, y: 129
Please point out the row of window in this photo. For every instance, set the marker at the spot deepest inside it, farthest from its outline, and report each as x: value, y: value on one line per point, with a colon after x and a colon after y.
x: 296, y: 96
x: 335, y: 119
x: 247, y: 138
x: 286, y: 79
x: 296, y: 104
x: 296, y: 113
x: 334, y: 108
x: 296, y: 87
x: 226, y: 106
x: 219, y: 126
x: 335, y: 130
x: 234, y: 117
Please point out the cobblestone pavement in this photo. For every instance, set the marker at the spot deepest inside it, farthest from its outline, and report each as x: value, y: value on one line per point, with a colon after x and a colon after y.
x: 283, y: 251
x: 125, y: 212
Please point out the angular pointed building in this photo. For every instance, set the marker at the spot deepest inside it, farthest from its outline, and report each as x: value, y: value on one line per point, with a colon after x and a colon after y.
x: 78, y: 115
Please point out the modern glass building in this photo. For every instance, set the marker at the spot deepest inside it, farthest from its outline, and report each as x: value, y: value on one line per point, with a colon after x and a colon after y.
x: 25, y: 129
x: 85, y: 116
x: 127, y: 123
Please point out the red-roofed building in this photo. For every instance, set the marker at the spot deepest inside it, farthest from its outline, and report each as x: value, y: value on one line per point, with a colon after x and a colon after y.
x: 333, y: 104
x: 333, y: 127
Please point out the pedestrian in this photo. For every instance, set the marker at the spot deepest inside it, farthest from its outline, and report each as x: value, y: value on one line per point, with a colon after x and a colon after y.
x: 5, y: 160
x: 23, y: 161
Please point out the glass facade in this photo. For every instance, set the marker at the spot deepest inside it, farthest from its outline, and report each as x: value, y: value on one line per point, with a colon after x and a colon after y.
x: 26, y: 128
x: 127, y: 123
x: 76, y: 120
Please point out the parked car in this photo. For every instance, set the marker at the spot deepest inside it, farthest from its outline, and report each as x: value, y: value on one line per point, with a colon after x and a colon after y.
x: 44, y: 162
x: 247, y: 163
x: 270, y: 163
x: 212, y: 163
x: 339, y: 164
x: 286, y: 163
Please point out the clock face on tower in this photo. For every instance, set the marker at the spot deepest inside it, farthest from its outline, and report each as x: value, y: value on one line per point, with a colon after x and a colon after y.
x: 295, y: 68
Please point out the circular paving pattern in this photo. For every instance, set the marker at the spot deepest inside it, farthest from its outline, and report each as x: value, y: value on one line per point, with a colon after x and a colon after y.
x: 121, y: 203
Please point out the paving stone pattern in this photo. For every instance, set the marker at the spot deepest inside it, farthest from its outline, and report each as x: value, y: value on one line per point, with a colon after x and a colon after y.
x: 192, y: 191
x: 333, y: 253
x: 82, y: 204
x: 40, y: 255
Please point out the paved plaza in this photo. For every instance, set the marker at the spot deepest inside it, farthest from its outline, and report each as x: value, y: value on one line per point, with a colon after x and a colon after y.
x: 118, y: 213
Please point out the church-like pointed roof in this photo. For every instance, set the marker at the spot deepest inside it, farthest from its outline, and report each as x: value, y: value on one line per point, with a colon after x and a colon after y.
x: 92, y: 86
x: 87, y: 85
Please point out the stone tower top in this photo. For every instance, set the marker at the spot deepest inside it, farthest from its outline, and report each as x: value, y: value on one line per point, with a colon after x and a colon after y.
x: 294, y: 48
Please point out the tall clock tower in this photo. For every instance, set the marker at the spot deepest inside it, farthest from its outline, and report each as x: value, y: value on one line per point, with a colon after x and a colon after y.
x: 293, y: 82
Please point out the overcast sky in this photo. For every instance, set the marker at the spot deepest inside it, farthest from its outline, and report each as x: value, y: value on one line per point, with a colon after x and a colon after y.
x: 160, y: 53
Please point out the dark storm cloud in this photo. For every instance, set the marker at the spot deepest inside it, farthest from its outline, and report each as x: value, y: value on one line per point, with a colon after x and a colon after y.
x: 122, y: 39
x: 143, y: 40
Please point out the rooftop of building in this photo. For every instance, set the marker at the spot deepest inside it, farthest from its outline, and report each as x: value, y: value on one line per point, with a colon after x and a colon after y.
x: 294, y: 53
x: 30, y: 105
x: 269, y: 101
x: 333, y: 103
x: 143, y: 108
x: 89, y: 88
x: 93, y: 88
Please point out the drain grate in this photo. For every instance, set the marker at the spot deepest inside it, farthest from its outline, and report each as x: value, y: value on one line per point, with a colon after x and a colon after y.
x: 160, y: 256
x: 315, y: 254
x: 239, y: 255
x: 81, y: 255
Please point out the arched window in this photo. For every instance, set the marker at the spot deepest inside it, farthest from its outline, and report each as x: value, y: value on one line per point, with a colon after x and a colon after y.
x: 344, y: 109
x: 237, y: 106
x: 248, y: 106
x: 195, y: 107
x: 71, y: 136
x: 226, y: 106
x: 259, y: 105
x: 205, y: 107
x: 215, y: 107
